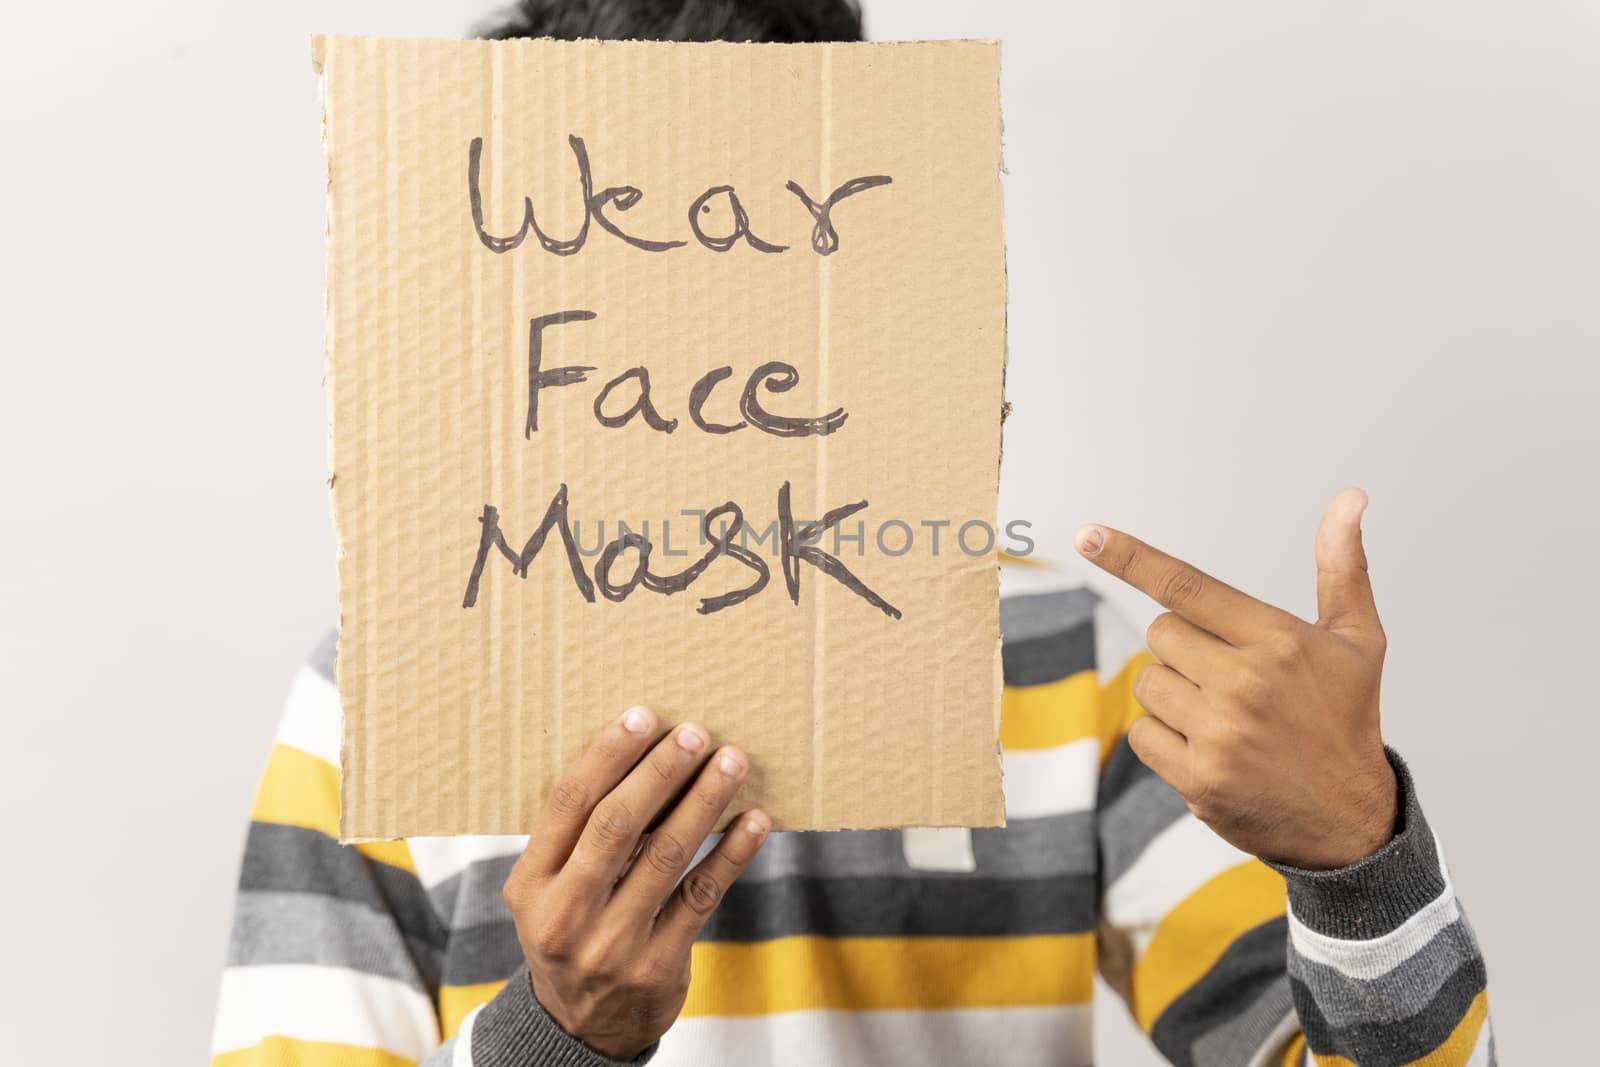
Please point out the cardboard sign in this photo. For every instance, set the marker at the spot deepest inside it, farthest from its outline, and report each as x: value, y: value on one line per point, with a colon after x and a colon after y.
x: 665, y: 374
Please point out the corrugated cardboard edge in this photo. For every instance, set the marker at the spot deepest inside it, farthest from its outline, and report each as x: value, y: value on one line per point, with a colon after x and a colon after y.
x: 319, y: 55
x: 1005, y: 406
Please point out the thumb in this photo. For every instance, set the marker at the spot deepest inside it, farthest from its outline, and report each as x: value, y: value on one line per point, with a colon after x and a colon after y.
x: 1344, y: 594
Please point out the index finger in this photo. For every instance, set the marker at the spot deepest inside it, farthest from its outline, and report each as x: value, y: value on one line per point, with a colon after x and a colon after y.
x: 1177, y: 586
x: 596, y: 773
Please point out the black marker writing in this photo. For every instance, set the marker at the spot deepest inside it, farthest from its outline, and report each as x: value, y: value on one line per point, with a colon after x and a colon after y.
x: 780, y: 378
x: 824, y: 238
x: 539, y: 378
x: 741, y: 223
x: 775, y: 376
x: 796, y: 543
x: 641, y: 404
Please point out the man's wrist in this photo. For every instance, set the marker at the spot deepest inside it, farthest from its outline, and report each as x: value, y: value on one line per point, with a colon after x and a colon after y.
x: 514, y: 1030
x: 1374, y: 895
x: 1376, y: 816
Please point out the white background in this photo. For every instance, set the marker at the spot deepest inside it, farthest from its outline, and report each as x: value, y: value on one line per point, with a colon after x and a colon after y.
x: 1258, y: 251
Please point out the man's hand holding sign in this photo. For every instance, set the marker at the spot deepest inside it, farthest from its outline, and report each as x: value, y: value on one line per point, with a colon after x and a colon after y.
x: 1267, y: 725
x: 604, y: 921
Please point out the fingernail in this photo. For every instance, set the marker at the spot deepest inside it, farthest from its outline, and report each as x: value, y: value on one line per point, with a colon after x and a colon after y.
x: 731, y: 762
x: 1091, y: 539
x: 690, y: 739
x: 757, y: 823
x: 636, y: 720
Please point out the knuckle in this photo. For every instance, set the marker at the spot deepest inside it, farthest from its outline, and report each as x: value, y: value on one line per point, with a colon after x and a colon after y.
x: 1203, y: 793
x: 1139, y: 736
x: 1129, y: 561
x: 612, y: 825
x: 658, y: 980
x: 570, y: 798
x: 665, y: 854
x: 596, y: 960
x: 552, y: 941
x: 1202, y: 804
x: 700, y: 892
x: 1180, y: 586
x: 710, y: 797
x: 1147, y: 685
x: 1286, y: 647
x: 1250, y: 689
x: 515, y: 892
x: 1160, y: 629
x: 663, y: 767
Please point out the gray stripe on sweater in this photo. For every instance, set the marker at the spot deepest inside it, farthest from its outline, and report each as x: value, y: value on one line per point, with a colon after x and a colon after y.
x: 1248, y: 969
x: 939, y: 906
x: 1047, y: 636
x: 1238, y: 1039
x: 1054, y: 846
x: 1399, y: 994
x: 1042, y: 660
x: 293, y: 859
x: 1042, y: 614
x: 327, y: 931
x: 1397, y: 1042
x: 1133, y: 820
x: 1027, y: 848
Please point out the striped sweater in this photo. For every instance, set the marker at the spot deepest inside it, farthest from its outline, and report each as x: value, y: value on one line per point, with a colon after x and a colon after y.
x: 915, y: 946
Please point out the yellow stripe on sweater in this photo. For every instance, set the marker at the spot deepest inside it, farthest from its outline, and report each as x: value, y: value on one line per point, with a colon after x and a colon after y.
x: 863, y: 974
x: 1050, y: 715
x: 1118, y: 707
x: 1454, y: 1051
x: 889, y: 973
x: 1076, y: 707
x: 287, y: 1052
x: 1192, y: 937
x: 457, y: 1001
x: 298, y: 789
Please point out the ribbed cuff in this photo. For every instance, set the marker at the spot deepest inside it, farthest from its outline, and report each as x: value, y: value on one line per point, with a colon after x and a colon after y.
x: 514, y: 1030
x: 1373, y: 896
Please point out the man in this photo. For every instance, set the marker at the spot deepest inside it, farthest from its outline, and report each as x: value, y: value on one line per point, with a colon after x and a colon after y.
x: 1246, y: 864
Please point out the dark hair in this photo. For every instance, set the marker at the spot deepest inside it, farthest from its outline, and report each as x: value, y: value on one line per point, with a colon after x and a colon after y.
x: 680, y: 20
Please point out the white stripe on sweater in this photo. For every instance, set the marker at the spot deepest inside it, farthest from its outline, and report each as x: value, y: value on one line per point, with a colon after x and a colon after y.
x: 1051, y: 781
x: 439, y: 858
x: 309, y: 1002
x: 1480, y: 1051
x: 1177, y: 861
x: 1115, y: 641
x: 1271, y: 1050
x: 461, y: 1054
x: 311, y: 716
x: 1376, y: 957
x: 1058, y: 1035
